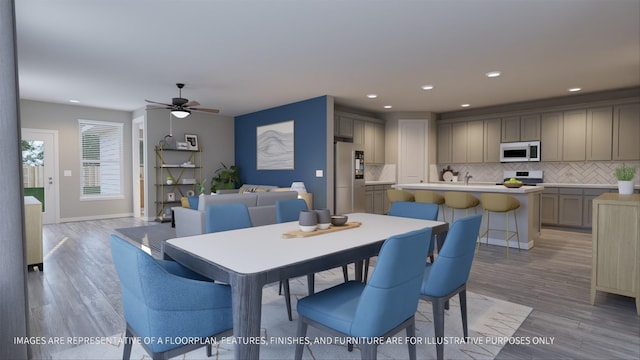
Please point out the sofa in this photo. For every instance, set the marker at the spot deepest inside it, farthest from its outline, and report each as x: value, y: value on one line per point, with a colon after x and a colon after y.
x: 261, y: 204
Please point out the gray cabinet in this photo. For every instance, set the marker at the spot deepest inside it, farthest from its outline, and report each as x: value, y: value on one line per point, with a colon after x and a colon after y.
x: 626, y: 132
x: 549, y: 206
x: 491, y: 146
x: 570, y: 207
x: 551, y: 136
x: 444, y: 143
x: 521, y: 128
x: 574, y: 135
x: 467, y: 142
x: 343, y: 126
x: 373, y: 143
x: 376, y: 199
x: 358, y: 132
x: 599, y: 133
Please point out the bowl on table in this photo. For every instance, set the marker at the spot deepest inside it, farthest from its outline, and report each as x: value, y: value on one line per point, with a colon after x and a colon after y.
x: 338, y: 220
x: 513, y: 185
x: 307, y: 228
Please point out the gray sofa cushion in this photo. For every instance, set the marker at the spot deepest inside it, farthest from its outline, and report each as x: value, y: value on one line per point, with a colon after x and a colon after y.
x: 270, y: 198
x: 250, y: 199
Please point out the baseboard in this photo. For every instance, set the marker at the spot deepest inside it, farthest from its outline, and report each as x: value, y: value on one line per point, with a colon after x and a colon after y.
x: 96, y: 217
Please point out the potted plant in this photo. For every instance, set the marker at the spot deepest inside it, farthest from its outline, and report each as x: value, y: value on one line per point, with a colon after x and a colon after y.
x: 201, y: 187
x: 625, y: 175
x: 226, y: 177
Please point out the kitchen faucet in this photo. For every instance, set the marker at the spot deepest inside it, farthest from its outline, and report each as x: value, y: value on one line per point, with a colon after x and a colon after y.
x: 466, y: 178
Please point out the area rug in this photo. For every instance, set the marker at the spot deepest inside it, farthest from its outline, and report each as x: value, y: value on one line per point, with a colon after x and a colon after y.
x: 492, y: 323
x: 150, y: 236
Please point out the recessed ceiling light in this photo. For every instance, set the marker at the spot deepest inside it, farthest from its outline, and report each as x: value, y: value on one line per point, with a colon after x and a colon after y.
x: 426, y: 87
x: 493, y: 74
x: 372, y: 96
x: 575, y: 89
x: 74, y: 101
x: 465, y: 105
x: 388, y: 106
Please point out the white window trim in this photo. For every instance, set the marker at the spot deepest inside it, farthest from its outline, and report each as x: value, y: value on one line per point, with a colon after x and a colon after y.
x: 120, y: 127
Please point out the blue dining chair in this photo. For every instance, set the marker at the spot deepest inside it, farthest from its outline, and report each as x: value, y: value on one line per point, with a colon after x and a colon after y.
x: 378, y: 309
x: 163, y: 300
x: 223, y: 217
x: 448, y: 275
x: 289, y: 209
x: 414, y: 210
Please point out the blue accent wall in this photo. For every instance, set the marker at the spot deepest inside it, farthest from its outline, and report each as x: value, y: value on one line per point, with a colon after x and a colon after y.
x: 310, y: 147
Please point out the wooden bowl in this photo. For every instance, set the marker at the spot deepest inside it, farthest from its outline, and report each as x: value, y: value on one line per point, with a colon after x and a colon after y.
x: 512, y: 185
x: 338, y: 220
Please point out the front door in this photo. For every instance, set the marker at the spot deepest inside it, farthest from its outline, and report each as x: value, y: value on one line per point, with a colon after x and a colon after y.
x: 39, y: 170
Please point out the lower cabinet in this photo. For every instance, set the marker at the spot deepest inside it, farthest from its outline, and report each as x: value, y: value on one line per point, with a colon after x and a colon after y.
x: 570, y: 207
x: 376, y: 198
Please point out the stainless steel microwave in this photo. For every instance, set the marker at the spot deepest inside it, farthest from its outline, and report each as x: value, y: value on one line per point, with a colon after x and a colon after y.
x: 520, y: 151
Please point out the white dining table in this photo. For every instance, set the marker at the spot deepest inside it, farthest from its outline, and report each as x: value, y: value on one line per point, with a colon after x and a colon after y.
x: 247, y: 259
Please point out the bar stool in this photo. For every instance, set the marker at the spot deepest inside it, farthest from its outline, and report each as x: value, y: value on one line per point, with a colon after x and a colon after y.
x: 461, y: 201
x: 399, y: 195
x: 500, y: 203
x: 432, y: 197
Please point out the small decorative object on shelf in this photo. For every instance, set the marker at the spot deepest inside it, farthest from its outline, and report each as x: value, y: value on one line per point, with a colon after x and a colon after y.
x: 192, y: 141
x: 171, y: 196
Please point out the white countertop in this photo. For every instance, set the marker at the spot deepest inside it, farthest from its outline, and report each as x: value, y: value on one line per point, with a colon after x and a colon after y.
x: 472, y: 187
x: 379, y: 182
x: 588, y: 186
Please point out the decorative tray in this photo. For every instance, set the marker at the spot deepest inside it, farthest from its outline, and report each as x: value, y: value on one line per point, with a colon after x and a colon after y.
x: 332, y: 228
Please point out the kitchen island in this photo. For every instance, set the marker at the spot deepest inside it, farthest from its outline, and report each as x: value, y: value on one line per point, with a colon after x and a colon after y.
x: 528, y: 214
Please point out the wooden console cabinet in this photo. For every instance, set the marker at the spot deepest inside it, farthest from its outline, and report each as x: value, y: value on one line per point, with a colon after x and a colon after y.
x: 616, y: 246
x: 33, y: 231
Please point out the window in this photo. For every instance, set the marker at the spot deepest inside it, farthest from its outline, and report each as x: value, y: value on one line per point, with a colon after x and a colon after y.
x: 100, y: 160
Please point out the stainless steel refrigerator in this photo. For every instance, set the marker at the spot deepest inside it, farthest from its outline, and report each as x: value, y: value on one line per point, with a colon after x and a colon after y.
x: 349, y: 178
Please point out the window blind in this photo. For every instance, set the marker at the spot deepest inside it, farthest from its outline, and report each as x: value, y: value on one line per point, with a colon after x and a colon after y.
x: 101, y: 159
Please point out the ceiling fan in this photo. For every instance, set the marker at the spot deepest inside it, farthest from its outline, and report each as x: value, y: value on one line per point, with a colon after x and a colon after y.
x: 180, y: 107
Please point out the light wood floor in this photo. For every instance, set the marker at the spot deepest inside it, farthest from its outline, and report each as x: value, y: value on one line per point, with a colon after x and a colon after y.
x: 78, y: 294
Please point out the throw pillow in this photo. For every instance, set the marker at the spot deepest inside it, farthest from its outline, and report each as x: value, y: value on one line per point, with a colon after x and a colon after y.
x: 193, y: 202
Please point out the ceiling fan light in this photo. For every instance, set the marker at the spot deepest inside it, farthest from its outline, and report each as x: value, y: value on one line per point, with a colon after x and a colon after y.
x: 180, y: 113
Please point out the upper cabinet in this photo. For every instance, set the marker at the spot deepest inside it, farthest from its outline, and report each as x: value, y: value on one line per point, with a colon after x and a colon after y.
x: 574, y: 135
x: 343, y: 126
x: 366, y: 132
x: 373, y: 143
x: 492, y: 140
x: 626, y: 132
x: 551, y: 137
x: 461, y: 142
x: 599, y: 133
x: 521, y: 128
x: 444, y: 143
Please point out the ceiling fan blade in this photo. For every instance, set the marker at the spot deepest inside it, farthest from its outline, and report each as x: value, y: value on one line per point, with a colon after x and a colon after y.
x: 214, y: 111
x: 191, y: 103
x: 155, y: 102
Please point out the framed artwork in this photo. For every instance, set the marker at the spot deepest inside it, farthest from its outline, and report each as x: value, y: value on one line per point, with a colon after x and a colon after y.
x: 171, y: 196
x: 192, y: 141
x: 274, y: 146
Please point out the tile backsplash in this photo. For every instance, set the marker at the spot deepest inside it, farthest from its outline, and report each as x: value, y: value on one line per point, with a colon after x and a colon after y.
x: 597, y: 172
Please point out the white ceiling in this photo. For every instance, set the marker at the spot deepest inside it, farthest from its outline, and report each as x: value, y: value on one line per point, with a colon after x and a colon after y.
x: 244, y: 56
